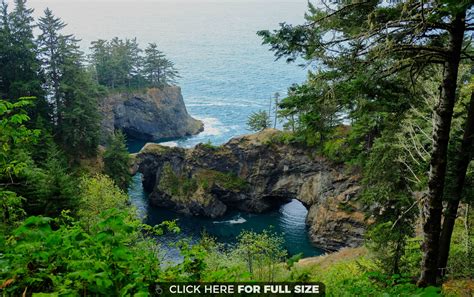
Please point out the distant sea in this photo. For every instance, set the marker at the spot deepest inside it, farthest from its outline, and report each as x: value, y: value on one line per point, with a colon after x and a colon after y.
x: 226, y: 74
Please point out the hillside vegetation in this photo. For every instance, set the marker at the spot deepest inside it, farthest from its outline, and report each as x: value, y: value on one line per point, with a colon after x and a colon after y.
x: 391, y: 95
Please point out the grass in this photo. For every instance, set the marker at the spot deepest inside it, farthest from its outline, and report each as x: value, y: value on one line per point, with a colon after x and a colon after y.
x: 153, y: 148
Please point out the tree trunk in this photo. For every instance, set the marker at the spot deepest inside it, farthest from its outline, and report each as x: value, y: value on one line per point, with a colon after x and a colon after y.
x: 443, y: 113
x: 276, y: 112
x: 450, y: 214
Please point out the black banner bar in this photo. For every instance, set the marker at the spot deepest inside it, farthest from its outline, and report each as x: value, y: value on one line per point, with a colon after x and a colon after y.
x: 240, y: 289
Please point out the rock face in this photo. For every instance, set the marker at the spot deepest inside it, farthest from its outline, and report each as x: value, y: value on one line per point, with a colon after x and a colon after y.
x: 256, y: 173
x: 148, y: 115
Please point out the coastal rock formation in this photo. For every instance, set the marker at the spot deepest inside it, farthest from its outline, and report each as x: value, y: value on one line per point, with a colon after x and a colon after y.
x: 149, y: 115
x: 256, y: 173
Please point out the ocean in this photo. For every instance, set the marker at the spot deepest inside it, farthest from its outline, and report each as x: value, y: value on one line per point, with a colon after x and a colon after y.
x: 226, y: 74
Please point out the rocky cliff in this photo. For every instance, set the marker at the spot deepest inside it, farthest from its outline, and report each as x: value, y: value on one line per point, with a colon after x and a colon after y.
x: 148, y: 115
x: 256, y: 173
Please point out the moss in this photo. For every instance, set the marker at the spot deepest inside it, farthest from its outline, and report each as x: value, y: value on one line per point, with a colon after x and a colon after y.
x: 283, y: 137
x: 347, y: 207
x: 179, y: 187
x: 209, y: 145
x: 184, y: 189
x: 153, y: 148
x: 229, y: 181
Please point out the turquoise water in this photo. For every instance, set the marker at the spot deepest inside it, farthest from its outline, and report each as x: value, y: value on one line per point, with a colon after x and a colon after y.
x: 226, y: 74
x: 289, y: 221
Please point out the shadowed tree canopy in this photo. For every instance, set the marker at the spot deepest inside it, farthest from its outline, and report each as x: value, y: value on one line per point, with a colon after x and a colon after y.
x: 363, y: 46
x: 121, y: 64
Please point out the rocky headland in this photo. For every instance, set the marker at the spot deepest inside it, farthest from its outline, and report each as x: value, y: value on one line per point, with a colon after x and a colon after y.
x: 256, y: 173
x: 150, y: 115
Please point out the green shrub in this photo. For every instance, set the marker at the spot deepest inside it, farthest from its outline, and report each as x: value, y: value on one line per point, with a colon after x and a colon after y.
x: 360, y: 277
x: 98, y: 194
x: 112, y: 259
x: 227, y: 180
x: 258, y: 121
x: 177, y: 186
x: 262, y: 253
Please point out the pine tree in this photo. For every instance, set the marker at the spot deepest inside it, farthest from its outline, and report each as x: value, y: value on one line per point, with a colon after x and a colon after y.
x: 366, y: 42
x: 118, y: 63
x: 134, y: 77
x: 19, y: 67
x: 100, y: 58
x: 258, y: 121
x: 158, y: 70
x: 51, y: 56
x: 73, y: 91
x: 117, y: 161
x: 22, y: 67
x: 5, y: 51
x: 50, y: 188
x: 79, y: 129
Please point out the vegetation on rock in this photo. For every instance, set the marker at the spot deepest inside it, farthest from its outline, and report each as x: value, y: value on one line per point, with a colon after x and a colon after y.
x: 392, y: 97
x: 258, y: 121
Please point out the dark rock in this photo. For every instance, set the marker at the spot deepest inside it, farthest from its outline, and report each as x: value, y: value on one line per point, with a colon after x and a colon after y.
x: 256, y: 173
x: 149, y: 115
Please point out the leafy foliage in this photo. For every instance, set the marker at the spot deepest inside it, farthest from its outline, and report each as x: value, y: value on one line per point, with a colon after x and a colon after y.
x: 261, y: 253
x: 258, y: 121
x: 375, y: 63
x: 97, y: 195
x: 14, y: 137
x: 111, y: 259
x: 370, y: 103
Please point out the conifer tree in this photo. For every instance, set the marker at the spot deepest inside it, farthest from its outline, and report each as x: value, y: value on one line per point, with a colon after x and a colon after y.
x: 366, y: 42
x: 158, y: 70
x: 19, y: 66
x: 22, y: 65
x: 51, y: 56
x: 100, y: 58
x: 73, y: 91
x: 118, y: 63
x: 79, y: 130
x: 117, y: 161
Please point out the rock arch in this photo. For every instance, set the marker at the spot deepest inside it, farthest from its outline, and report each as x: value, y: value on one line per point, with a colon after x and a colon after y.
x: 255, y: 173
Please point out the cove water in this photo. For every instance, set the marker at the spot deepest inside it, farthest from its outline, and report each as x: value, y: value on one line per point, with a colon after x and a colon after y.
x: 226, y: 74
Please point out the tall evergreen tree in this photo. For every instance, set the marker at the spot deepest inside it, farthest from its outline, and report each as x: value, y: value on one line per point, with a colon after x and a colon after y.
x: 118, y: 63
x: 20, y: 73
x: 134, y: 78
x: 5, y: 51
x: 21, y: 66
x: 49, y: 42
x: 50, y: 188
x: 463, y: 156
x: 381, y: 40
x: 70, y: 86
x: 79, y: 130
x: 100, y: 58
x: 117, y: 161
x: 158, y: 70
